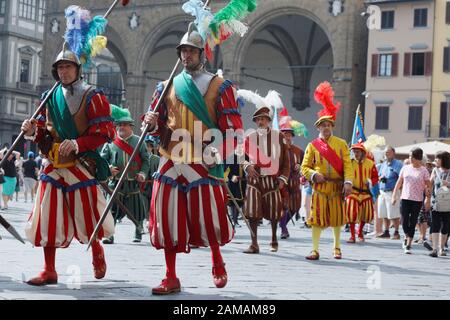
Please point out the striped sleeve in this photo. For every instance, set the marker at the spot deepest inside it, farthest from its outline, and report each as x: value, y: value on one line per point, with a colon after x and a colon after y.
x: 101, y: 127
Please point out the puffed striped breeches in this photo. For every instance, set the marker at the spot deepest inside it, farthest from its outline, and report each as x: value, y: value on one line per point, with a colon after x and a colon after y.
x: 263, y: 199
x: 68, y: 204
x: 187, y: 208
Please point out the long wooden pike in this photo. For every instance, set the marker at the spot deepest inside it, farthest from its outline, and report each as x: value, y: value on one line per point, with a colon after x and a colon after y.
x: 49, y: 94
x: 138, y: 146
x: 11, y: 229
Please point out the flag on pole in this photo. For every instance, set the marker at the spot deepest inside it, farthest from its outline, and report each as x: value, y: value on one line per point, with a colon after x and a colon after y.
x: 358, y: 129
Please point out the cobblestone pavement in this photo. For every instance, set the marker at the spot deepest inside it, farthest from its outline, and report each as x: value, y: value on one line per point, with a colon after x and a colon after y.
x: 376, y: 269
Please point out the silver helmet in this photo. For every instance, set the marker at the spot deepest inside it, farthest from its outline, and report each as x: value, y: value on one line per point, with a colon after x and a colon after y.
x: 68, y: 56
x: 193, y: 39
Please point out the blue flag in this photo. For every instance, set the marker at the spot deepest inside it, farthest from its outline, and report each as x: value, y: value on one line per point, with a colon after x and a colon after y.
x: 358, y: 129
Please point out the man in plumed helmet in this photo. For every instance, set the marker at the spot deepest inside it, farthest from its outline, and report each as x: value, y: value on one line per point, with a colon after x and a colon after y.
x: 73, y: 124
x: 188, y: 205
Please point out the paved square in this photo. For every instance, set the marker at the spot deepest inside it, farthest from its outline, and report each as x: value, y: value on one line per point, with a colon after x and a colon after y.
x: 377, y: 269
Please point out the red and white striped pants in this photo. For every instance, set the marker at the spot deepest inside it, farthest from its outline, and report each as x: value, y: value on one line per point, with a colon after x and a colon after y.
x: 187, y: 208
x: 69, y: 203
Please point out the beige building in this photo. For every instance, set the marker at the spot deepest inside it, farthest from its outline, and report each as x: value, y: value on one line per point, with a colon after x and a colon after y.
x: 399, y: 71
x: 440, y: 100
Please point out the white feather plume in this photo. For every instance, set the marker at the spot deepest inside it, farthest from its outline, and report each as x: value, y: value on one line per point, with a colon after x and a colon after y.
x: 252, y: 97
x: 273, y: 99
x: 238, y: 27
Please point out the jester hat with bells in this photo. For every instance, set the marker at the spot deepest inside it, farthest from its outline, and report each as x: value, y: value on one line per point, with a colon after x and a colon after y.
x: 264, y: 105
x: 324, y: 95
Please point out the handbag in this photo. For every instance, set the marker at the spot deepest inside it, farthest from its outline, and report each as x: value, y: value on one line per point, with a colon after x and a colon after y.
x: 442, y: 197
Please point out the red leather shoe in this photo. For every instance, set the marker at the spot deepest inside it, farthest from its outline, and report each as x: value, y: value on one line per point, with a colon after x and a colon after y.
x: 220, y: 276
x: 167, y: 286
x: 44, y: 278
x: 314, y: 255
x: 99, y: 263
x: 351, y: 240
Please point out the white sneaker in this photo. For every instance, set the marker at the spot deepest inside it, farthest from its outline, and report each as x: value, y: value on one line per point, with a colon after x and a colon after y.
x: 404, y: 244
x: 407, y: 250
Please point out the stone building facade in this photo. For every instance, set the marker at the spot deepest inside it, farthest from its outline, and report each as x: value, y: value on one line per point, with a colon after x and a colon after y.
x: 291, y: 46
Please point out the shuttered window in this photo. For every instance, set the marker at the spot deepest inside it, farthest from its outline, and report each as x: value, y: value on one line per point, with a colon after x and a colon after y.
x: 382, y: 118
x: 446, y: 59
x: 387, y: 19
x: 415, y: 118
x: 447, y: 13
x: 420, y: 17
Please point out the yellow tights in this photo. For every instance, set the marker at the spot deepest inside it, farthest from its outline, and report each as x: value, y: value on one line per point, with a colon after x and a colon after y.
x: 316, y: 231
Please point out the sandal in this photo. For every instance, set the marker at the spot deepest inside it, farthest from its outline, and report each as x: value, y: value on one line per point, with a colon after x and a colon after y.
x: 314, y: 255
x: 273, y: 246
x: 337, y: 253
x: 252, y: 249
x: 220, y: 277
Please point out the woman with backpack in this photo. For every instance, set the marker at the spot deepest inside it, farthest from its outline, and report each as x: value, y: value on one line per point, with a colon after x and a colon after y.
x: 440, y: 200
x: 414, y: 181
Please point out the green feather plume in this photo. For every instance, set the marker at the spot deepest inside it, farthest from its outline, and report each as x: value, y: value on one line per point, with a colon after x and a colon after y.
x: 119, y: 113
x: 235, y: 10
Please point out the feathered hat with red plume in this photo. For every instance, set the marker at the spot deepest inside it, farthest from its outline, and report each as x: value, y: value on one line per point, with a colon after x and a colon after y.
x: 324, y: 95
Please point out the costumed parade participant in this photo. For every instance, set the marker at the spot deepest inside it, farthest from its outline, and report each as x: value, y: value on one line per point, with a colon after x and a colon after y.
x: 189, y: 189
x: 291, y: 128
x: 359, y: 205
x: 237, y: 184
x: 188, y: 205
x: 266, y: 166
x: 327, y: 165
x: 72, y: 125
x: 152, y: 143
x: 118, y: 153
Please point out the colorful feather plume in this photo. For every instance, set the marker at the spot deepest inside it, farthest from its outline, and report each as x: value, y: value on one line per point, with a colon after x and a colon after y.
x: 83, y: 34
x: 299, y: 129
x: 324, y: 95
x: 203, y: 16
x: 287, y: 123
x: 235, y: 11
x: 215, y: 29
